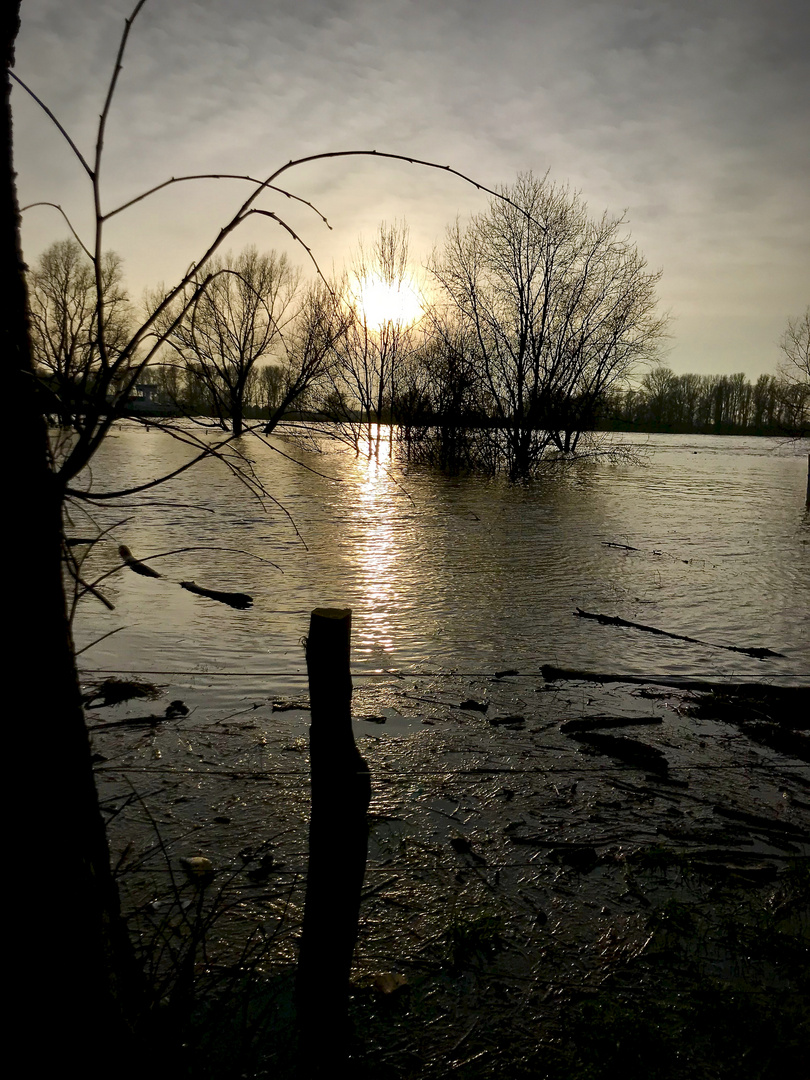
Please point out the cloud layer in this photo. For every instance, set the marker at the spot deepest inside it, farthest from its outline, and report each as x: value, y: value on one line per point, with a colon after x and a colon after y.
x: 690, y: 115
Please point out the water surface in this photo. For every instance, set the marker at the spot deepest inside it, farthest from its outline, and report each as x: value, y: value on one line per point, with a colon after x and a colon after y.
x: 465, y: 574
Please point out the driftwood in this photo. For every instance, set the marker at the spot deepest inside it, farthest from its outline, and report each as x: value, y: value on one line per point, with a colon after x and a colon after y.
x: 594, y: 723
x: 238, y: 600
x: 135, y: 564
x: 772, y: 716
x: 132, y: 721
x: 787, y: 694
x: 173, y: 710
x: 614, y: 620
x: 622, y: 748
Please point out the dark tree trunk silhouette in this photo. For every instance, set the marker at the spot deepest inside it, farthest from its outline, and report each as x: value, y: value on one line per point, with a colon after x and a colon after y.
x: 71, y: 977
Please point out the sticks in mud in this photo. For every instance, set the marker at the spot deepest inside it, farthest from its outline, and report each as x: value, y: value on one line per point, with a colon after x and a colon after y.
x: 614, y: 620
x: 338, y: 847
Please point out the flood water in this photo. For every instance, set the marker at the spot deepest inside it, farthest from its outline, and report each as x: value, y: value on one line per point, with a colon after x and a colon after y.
x: 467, y: 574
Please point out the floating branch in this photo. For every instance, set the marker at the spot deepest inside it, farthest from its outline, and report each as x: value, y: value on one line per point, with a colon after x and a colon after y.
x: 93, y: 591
x: 614, y: 620
x: 238, y: 600
x: 134, y: 564
x: 793, y: 700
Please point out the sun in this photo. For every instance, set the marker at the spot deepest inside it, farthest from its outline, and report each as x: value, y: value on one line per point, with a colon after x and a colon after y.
x: 384, y: 302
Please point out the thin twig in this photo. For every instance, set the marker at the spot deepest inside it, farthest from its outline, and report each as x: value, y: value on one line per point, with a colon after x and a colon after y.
x: 56, y: 206
x: 53, y: 118
x: 98, y: 640
x: 216, y: 176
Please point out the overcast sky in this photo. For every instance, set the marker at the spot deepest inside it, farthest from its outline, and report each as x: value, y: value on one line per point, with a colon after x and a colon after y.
x: 692, y: 116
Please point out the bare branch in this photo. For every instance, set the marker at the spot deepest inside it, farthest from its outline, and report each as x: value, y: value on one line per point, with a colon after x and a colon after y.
x: 293, y: 234
x: 98, y: 640
x: 56, y: 206
x: 294, y: 163
x: 111, y: 89
x: 53, y: 118
x: 216, y: 176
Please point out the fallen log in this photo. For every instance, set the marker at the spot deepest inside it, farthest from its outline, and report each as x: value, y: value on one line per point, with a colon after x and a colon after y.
x: 237, y: 600
x: 614, y: 620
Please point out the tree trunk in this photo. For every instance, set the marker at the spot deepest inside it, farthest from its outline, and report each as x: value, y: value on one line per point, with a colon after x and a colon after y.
x: 72, y: 979
x: 237, y: 416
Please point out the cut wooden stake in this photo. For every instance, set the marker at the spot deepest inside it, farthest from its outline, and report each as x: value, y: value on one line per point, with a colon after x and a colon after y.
x: 338, y: 847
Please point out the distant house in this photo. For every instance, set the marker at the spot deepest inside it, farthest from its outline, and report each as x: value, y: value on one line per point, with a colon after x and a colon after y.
x: 146, y: 401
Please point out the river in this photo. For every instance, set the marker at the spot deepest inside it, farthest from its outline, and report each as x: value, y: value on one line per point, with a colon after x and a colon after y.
x: 700, y: 536
x: 489, y: 808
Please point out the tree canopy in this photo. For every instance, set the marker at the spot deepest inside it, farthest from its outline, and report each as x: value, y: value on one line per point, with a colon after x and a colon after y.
x: 559, y: 306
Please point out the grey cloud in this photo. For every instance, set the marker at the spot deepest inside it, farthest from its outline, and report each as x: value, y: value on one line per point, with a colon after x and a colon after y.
x: 692, y: 114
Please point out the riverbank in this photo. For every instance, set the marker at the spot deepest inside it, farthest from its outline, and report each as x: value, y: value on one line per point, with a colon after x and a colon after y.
x: 564, y: 879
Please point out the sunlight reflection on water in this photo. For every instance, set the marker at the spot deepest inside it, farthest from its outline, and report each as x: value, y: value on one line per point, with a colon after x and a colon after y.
x: 469, y: 574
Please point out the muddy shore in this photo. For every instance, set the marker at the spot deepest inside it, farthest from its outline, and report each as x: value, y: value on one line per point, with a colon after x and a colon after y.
x: 565, y: 878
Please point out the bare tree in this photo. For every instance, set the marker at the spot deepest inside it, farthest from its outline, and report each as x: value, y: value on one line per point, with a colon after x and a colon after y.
x: 269, y: 386
x: 75, y: 965
x: 378, y: 338
x: 454, y: 410
x: 63, y: 307
x: 316, y: 333
x: 795, y: 370
x: 562, y: 308
x: 236, y: 319
x: 795, y: 346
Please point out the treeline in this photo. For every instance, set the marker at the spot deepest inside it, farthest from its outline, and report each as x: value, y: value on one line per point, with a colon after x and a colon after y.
x: 709, y: 404
x: 528, y: 335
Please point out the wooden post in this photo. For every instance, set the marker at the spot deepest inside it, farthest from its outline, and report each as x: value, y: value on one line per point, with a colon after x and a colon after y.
x: 338, y: 847
x: 807, y: 497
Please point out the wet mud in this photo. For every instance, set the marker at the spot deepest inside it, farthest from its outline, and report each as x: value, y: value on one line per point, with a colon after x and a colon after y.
x: 564, y: 879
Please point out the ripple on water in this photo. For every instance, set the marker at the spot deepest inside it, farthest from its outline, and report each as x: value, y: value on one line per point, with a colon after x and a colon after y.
x: 709, y: 539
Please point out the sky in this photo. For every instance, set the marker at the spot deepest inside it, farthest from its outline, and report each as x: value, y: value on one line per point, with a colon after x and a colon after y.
x: 689, y: 117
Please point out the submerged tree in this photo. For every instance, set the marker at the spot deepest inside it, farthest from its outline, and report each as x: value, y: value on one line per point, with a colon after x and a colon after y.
x: 310, y: 346
x: 241, y: 305
x: 561, y: 307
x: 380, y: 308
x: 64, y: 307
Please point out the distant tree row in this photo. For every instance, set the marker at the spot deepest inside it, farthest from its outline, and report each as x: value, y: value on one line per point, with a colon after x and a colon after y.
x: 538, y: 321
x: 710, y: 404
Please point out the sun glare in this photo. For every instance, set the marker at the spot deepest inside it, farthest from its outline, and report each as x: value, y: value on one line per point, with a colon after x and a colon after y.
x: 383, y: 302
